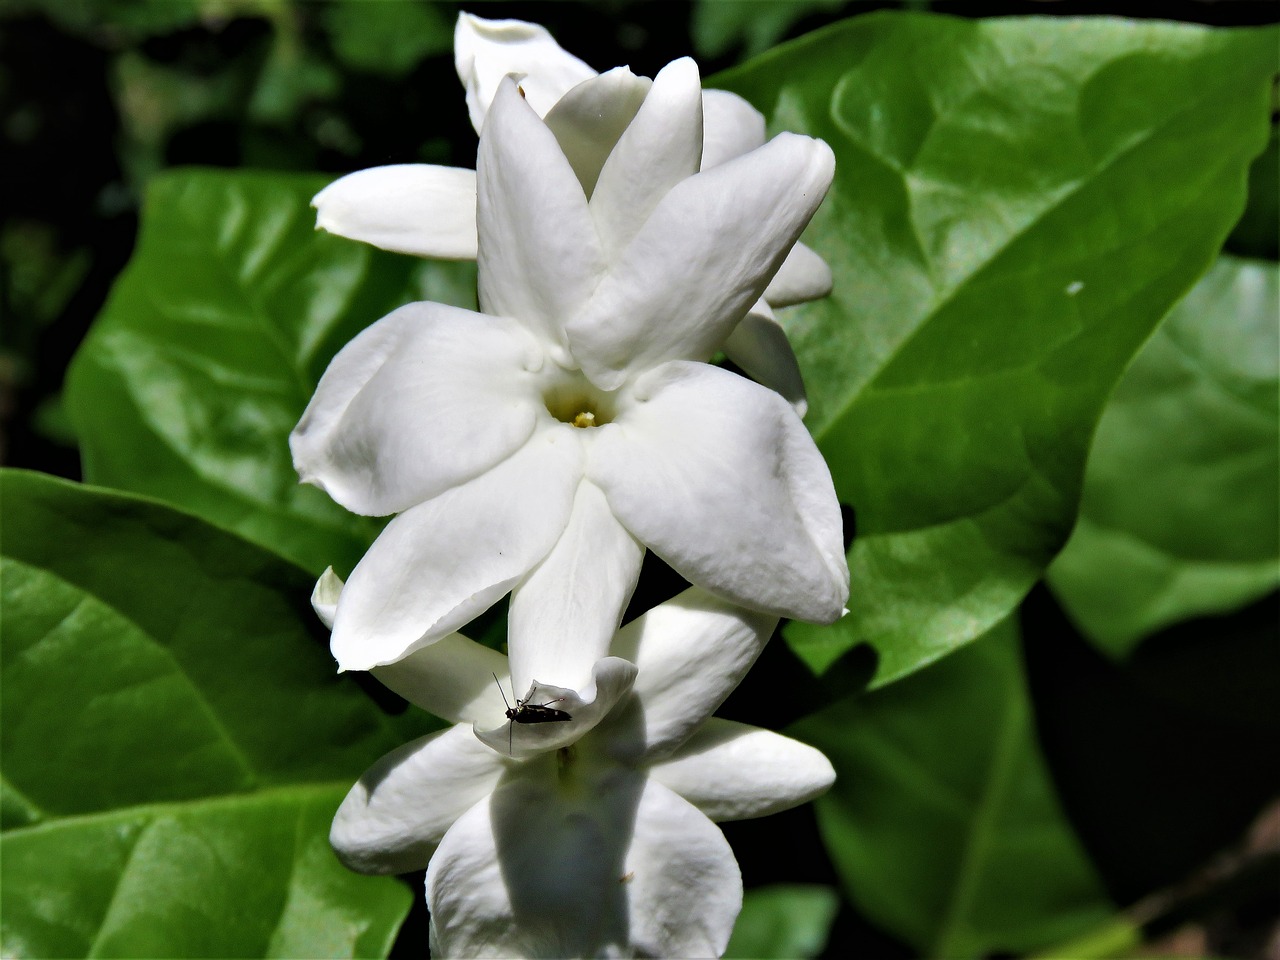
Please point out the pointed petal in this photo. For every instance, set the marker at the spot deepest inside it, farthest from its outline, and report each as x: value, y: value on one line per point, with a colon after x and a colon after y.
x: 690, y: 653
x: 588, y: 120
x: 682, y: 883
x: 442, y: 563
x: 324, y: 597
x: 563, y: 615
x: 535, y: 870
x: 453, y: 678
x: 731, y: 771
x: 611, y: 679
x: 700, y: 261
x: 428, y: 397
x: 414, y: 208
x: 759, y: 346
x: 718, y: 476
x: 485, y: 51
x: 731, y: 127
x: 661, y: 147
x: 392, y: 819
x: 803, y: 276
x: 539, y: 254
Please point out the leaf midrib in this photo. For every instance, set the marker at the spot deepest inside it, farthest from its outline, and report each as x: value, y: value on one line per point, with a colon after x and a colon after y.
x: 841, y: 411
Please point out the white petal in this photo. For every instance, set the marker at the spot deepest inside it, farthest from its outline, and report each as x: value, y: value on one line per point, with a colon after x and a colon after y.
x: 588, y: 120
x: 700, y: 261
x: 324, y: 597
x: 563, y: 615
x: 759, y: 346
x: 803, y: 276
x: 392, y: 819
x: 537, y: 870
x: 718, y: 476
x: 442, y: 563
x: 690, y: 653
x: 415, y: 208
x: 611, y: 679
x: 682, y: 883
x: 540, y: 257
x: 731, y: 127
x: 731, y: 771
x: 426, y: 398
x: 454, y: 678
x: 661, y: 147
x: 485, y: 51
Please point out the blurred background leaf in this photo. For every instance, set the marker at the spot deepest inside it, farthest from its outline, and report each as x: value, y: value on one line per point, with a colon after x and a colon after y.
x: 1180, y: 515
x: 1003, y: 240
x: 786, y: 921
x: 175, y: 742
x: 211, y: 346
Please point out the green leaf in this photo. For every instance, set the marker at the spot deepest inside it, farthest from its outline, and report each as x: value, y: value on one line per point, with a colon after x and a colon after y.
x: 1017, y: 203
x: 787, y: 921
x: 1180, y: 515
x: 387, y: 38
x: 212, y: 343
x: 717, y: 26
x: 174, y: 743
x: 943, y: 822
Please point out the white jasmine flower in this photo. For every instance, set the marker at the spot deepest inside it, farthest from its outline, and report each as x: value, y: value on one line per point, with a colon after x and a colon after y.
x: 543, y: 444
x: 430, y: 211
x: 591, y: 836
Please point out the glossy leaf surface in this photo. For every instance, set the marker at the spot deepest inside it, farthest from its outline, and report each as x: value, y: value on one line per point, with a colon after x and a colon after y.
x: 1016, y: 204
x: 943, y: 822
x: 211, y: 346
x: 1181, y: 509
x: 175, y: 742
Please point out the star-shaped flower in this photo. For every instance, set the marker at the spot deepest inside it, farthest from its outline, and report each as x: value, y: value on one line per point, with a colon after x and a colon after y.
x: 430, y: 210
x: 542, y: 444
x: 592, y: 835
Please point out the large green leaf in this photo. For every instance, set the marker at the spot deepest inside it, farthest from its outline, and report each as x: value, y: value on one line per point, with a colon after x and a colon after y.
x: 943, y: 822
x: 212, y: 343
x: 1016, y: 204
x: 175, y: 741
x: 1180, y: 514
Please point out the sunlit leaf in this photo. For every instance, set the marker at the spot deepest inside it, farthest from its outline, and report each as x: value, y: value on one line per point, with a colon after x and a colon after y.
x: 175, y: 741
x: 1016, y: 205
x: 1181, y: 508
x: 211, y: 346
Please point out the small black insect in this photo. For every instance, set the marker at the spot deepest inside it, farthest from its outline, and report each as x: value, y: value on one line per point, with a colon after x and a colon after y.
x: 524, y: 712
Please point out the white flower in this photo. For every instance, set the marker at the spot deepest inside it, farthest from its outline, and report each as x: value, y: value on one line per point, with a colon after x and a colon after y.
x: 543, y: 444
x: 430, y: 211
x: 591, y: 836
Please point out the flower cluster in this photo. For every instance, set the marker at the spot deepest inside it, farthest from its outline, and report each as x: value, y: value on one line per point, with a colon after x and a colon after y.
x: 626, y: 230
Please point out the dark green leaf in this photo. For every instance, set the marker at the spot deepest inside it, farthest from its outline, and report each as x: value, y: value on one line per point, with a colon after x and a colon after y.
x: 943, y: 822
x: 788, y: 921
x: 1181, y: 508
x: 211, y: 346
x: 388, y: 38
x: 1016, y: 204
x: 755, y: 25
x: 175, y: 741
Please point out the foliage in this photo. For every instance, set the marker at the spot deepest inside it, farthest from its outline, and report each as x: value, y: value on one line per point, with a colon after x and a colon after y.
x: 1003, y: 240
x: 174, y: 742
